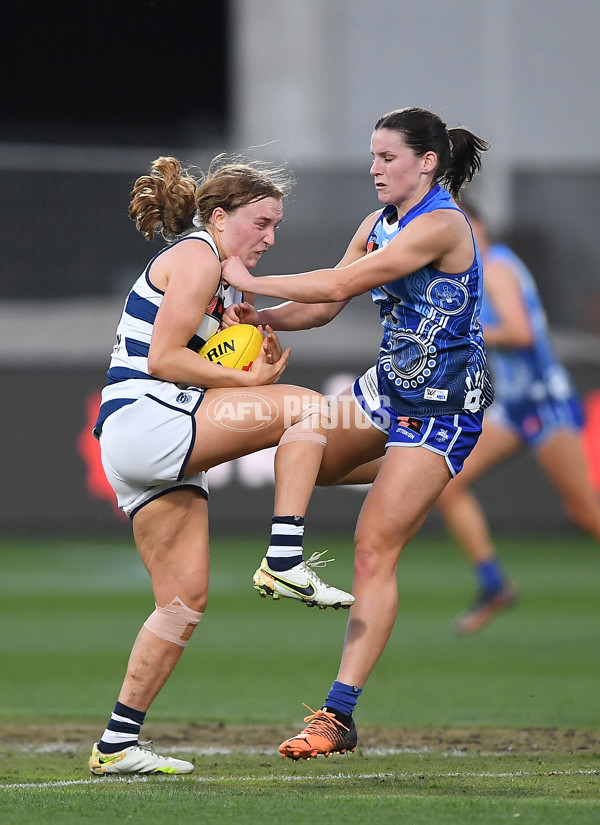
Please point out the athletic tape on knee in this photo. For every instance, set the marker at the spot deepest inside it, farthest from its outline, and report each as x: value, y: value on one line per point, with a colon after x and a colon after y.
x: 175, y: 623
x: 302, y: 430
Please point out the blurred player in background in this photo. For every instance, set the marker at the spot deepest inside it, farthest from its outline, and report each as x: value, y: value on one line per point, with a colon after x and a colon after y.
x: 536, y: 406
x: 159, y: 434
x: 419, y: 410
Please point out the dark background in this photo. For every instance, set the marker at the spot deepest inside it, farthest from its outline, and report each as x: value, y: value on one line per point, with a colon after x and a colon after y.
x: 134, y: 71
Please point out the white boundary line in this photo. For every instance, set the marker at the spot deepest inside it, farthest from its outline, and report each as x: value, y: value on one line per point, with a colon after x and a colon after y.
x: 303, y: 778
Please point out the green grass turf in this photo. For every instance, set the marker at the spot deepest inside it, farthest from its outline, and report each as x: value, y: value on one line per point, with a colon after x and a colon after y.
x: 70, y: 612
x: 426, y: 790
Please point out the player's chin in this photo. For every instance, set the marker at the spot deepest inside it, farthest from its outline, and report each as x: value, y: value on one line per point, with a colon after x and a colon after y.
x: 252, y: 260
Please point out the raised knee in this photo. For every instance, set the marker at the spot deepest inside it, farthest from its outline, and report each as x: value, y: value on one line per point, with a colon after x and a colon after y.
x: 309, y: 423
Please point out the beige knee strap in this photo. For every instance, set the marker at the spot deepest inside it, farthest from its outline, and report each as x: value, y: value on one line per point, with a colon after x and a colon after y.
x: 302, y: 429
x: 175, y: 623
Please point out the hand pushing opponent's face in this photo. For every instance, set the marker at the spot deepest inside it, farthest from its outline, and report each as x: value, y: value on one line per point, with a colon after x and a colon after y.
x: 247, y: 231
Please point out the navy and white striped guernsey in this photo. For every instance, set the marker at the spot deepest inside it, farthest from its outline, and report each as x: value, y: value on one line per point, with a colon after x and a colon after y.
x: 128, y: 377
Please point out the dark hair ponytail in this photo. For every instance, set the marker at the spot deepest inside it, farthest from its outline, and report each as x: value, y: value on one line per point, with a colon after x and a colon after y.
x: 465, y: 159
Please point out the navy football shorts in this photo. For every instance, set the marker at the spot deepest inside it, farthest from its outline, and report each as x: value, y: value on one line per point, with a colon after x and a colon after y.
x: 451, y: 436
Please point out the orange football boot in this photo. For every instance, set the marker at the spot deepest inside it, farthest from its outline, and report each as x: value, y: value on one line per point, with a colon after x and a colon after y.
x: 323, y: 735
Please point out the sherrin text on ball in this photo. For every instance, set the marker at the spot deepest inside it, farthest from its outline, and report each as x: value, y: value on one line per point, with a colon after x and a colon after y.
x: 235, y: 347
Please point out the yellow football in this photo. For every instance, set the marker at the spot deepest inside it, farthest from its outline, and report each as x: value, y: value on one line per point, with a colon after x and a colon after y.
x: 235, y: 347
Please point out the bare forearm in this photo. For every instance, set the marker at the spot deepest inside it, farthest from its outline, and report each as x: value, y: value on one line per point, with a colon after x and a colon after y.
x: 321, y: 286
x: 183, y: 366
x: 292, y: 315
x: 317, y: 287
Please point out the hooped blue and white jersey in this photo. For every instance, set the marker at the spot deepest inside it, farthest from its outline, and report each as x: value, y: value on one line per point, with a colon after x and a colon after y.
x: 432, y: 359
x: 533, y: 374
x: 128, y: 377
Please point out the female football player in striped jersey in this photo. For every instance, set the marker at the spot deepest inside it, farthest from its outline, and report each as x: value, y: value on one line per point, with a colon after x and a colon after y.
x: 424, y: 397
x: 167, y: 415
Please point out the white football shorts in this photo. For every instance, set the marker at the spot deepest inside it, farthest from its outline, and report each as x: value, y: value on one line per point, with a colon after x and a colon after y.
x: 145, y: 446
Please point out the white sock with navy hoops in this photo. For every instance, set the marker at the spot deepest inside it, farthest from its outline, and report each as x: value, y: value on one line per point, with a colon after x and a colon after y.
x: 285, y: 549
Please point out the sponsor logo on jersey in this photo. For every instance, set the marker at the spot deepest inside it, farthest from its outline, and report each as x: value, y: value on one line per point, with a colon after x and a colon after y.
x: 434, y: 394
x: 215, y: 308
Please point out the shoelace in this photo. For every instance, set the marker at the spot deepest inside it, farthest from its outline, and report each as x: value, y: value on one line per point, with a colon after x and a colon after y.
x: 146, y: 746
x: 316, y: 561
x: 322, y: 721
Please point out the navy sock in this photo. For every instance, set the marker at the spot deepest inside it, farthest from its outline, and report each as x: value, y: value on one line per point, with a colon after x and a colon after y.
x: 123, y: 729
x: 342, y: 698
x: 285, y: 549
x: 490, y: 575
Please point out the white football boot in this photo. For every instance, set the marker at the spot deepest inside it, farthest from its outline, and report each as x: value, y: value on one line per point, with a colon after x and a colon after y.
x: 139, y: 758
x: 301, y: 583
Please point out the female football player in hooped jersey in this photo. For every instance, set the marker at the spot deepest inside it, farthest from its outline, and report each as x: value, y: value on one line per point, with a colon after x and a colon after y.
x: 427, y: 390
x: 160, y: 429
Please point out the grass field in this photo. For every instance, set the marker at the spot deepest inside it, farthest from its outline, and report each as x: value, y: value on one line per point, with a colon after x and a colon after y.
x: 500, y: 727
